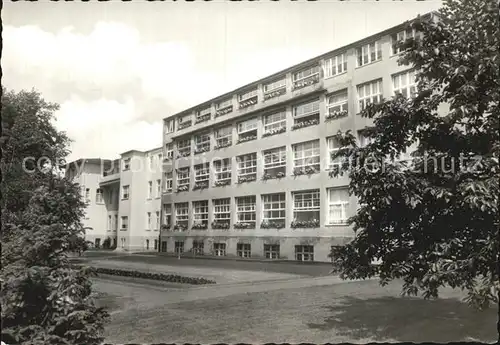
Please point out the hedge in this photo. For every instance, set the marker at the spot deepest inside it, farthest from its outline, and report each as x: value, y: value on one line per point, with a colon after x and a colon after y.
x: 154, y: 276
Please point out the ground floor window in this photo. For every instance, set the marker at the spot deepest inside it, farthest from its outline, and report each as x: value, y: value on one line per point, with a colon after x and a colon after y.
x: 179, y: 247
x: 147, y: 244
x: 220, y: 249
x: 243, y: 250
x: 123, y: 242
x: 114, y: 242
x: 272, y: 251
x: 304, y: 253
x: 97, y: 242
x: 198, y: 247
x: 156, y: 244
x: 164, y: 246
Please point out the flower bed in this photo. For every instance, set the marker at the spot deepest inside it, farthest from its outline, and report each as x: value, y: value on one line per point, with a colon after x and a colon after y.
x: 201, y: 150
x: 305, y: 224
x: 184, y: 188
x: 272, y: 177
x: 185, y: 124
x: 245, y: 179
x: 245, y: 139
x: 337, y: 114
x: 222, y: 183
x: 220, y: 225
x: 199, y: 226
x: 218, y: 147
x: 203, y: 118
x: 200, y: 185
x: 244, y: 226
x: 223, y: 111
x: 154, y: 276
x: 272, y: 225
x: 304, y: 124
x: 304, y: 171
x: 180, y: 227
x: 274, y: 132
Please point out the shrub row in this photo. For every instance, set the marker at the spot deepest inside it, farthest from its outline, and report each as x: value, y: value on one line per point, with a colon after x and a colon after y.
x: 155, y: 276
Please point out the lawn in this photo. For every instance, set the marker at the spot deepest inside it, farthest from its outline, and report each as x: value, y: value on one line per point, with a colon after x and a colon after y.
x: 351, y: 312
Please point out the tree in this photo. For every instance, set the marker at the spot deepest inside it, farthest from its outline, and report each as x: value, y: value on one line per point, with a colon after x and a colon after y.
x: 44, y: 298
x: 433, y: 219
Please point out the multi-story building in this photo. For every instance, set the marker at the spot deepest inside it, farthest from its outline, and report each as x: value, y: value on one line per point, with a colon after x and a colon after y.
x: 248, y: 171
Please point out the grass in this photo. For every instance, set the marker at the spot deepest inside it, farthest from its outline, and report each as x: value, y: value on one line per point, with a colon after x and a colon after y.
x: 353, y: 312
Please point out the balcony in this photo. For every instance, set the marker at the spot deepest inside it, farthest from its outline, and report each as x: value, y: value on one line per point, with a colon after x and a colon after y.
x: 274, y: 93
x: 310, y: 80
x: 203, y: 118
x: 107, y: 179
x: 185, y: 124
x: 248, y: 102
x: 223, y: 111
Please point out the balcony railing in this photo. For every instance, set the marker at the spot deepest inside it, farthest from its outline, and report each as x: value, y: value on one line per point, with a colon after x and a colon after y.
x: 275, y: 93
x: 223, y: 111
x: 248, y: 102
x: 310, y: 80
x: 185, y: 124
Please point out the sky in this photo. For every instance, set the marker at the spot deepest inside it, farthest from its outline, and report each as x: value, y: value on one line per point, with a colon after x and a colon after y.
x: 117, y: 69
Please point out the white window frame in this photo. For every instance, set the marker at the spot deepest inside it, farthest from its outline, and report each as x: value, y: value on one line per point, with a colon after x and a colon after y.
x: 272, y: 251
x: 158, y: 188
x: 337, y: 101
x: 248, y: 125
x: 148, y: 220
x: 202, y: 172
x: 150, y: 189
x: 222, y: 210
x: 374, y: 47
x: 158, y: 218
x: 183, y: 177
x: 223, y: 171
x: 169, y: 182
x: 167, y: 213
x: 115, y: 225
x: 99, y: 198
x: 404, y: 83
x: 202, y: 141
x: 198, y: 247
x: 401, y: 36
x: 274, y: 158
x: 335, y: 65
x: 305, y: 255
x: 200, y: 212
x: 169, y: 126
x: 246, y: 205
x: 247, y: 95
x: 364, y: 140
x: 306, y: 202
x: 179, y: 247
x: 333, y: 146
x: 126, y: 164
x: 225, y: 104
x: 219, y: 249
x: 169, y: 148
x: 244, y: 250
x: 203, y: 112
x: 272, y: 203
x: 182, y: 212
x: 275, y: 85
x: 247, y: 164
x: 305, y: 73
x: 312, y: 104
x: 110, y: 222
x: 274, y: 121
x: 222, y: 138
x: 125, y: 192
x: 306, y: 154
x: 183, y: 148
x: 334, y: 200
x: 375, y: 90
x: 124, y: 223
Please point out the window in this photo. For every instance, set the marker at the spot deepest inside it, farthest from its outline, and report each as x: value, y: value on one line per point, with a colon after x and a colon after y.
x: 243, y: 250
x: 404, y: 83
x: 272, y: 251
x: 338, y: 202
x: 151, y: 160
x: 225, y: 104
x: 247, y: 166
x: 148, y: 221
x: 223, y: 171
x: 275, y: 161
x: 220, y: 249
x: 335, y: 65
x: 87, y: 194
x: 156, y: 244
x: 304, y: 253
x: 184, y: 147
x: 306, y: 109
x: 202, y: 172
x: 223, y: 137
x: 306, y: 205
x: 115, y: 225
x: 333, y: 146
x: 198, y: 247
x: 123, y: 240
x: 245, y: 209
x: 168, y: 182
x: 273, y: 206
x: 183, y: 178
x: 158, y: 188
x: 157, y: 214
x: 203, y: 115
x: 401, y: 37
x: 169, y: 126
x: 202, y: 143
x: 364, y: 140
x: 222, y: 210
x: 247, y: 95
x: 167, y: 214
x: 110, y: 223
x: 126, y: 164
x: 182, y: 213
x: 200, y: 212
x: 124, y: 222
x: 306, y: 155
x: 369, y: 53
x: 150, y: 189
x: 275, y: 85
x: 336, y: 102
x: 369, y: 93
x: 248, y: 126
x: 306, y: 73
x: 179, y: 247
x: 169, y: 151
x: 275, y: 122
x: 125, y: 192
x: 98, y: 196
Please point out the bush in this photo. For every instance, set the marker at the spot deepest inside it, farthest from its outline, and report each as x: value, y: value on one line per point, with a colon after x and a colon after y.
x: 154, y: 276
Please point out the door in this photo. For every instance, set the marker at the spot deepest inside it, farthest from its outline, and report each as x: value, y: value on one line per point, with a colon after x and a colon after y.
x: 164, y: 246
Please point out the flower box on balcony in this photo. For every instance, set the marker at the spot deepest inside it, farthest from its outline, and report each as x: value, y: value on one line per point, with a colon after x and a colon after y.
x: 245, y: 139
x: 244, y: 226
x: 268, y: 176
x: 304, y: 124
x: 223, y: 111
x: 272, y: 225
x: 337, y: 114
x: 220, y: 225
x: 184, y: 188
x: 314, y: 223
x: 274, y: 132
x: 222, y: 183
x: 201, y: 150
x: 185, y: 124
x: 165, y: 227
x: 199, y: 226
x: 203, y: 118
x: 275, y: 93
x: 248, y: 102
x: 244, y: 179
x: 184, y: 154
x: 220, y: 146
x: 306, y: 82
x: 304, y: 171
x: 180, y: 227
x: 200, y: 185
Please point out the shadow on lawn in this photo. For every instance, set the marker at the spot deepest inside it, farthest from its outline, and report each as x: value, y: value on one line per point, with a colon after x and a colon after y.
x: 410, y: 320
